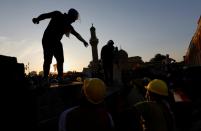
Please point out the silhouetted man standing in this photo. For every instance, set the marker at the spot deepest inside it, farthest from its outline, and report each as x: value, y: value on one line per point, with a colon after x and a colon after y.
x: 107, y: 57
x: 59, y: 25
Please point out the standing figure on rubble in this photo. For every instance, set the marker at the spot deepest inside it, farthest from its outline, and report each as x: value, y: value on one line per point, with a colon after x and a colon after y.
x: 59, y: 25
x: 168, y: 61
x: 107, y: 58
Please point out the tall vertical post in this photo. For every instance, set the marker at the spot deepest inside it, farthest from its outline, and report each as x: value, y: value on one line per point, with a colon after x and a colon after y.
x: 94, y: 43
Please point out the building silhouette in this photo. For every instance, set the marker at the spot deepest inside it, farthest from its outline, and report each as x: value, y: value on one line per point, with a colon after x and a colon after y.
x: 193, y: 55
x: 94, y: 44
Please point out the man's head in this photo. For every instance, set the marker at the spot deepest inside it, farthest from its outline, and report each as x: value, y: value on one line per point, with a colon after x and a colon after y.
x: 94, y: 90
x: 73, y: 14
x: 110, y: 42
x: 157, y: 86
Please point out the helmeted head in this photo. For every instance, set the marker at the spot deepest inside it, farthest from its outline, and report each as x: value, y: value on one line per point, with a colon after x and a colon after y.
x: 94, y: 90
x: 110, y: 42
x: 158, y: 86
x: 73, y: 14
x: 79, y: 79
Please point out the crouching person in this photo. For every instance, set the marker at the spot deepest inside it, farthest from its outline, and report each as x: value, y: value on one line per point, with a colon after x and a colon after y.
x: 91, y: 114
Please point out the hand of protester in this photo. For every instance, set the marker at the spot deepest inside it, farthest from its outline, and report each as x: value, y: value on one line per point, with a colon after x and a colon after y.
x: 86, y: 44
x: 35, y: 21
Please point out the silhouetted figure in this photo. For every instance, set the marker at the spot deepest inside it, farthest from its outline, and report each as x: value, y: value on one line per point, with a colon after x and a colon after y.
x: 168, y: 61
x: 59, y: 25
x: 91, y: 114
x: 156, y: 110
x: 107, y: 57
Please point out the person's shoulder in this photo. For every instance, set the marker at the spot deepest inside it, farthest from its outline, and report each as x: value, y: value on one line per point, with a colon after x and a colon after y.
x: 67, y: 111
x: 56, y: 12
x: 104, y: 47
x: 144, y: 103
x: 71, y: 26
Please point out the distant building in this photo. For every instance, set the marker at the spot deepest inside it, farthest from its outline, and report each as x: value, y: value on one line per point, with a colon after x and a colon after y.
x: 94, y: 64
x: 11, y: 69
x: 120, y: 66
x: 94, y: 44
x: 193, y: 55
x: 134, y: 62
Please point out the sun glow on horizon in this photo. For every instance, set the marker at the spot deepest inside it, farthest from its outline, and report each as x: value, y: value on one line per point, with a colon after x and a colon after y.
x: 66, y: 67
x: 54, y: 70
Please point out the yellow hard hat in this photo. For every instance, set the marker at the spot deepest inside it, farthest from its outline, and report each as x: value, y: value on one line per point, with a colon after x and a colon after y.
x: 94, y: 89
x: 79, y: 79
x: 158, y: 86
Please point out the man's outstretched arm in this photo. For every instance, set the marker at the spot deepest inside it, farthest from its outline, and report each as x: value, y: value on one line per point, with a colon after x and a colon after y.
x: 44, y: 16
x: 79, y: 37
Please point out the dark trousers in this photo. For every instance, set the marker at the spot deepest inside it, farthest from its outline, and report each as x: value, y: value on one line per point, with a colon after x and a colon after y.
x: 108, y: 73
x: 51, y: 49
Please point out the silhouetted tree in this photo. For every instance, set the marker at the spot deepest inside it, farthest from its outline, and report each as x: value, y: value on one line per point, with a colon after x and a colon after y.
x: 158, y: 58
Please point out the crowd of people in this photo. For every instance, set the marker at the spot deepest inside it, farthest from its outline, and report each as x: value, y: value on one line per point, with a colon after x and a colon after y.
x: 148, y: 107
x: 142, y: 104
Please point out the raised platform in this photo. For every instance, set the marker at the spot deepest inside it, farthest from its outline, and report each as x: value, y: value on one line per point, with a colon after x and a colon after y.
x: 59, y: 85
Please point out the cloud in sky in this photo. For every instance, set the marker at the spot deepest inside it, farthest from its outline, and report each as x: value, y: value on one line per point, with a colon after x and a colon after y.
x: 25, y: 50
x: 142, y: 28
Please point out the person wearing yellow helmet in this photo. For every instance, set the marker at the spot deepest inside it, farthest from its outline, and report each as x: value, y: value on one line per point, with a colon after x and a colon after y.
x: 91, y: 113
x: 156, y: 109
x: 157, y: 86
x: 94, y: 90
